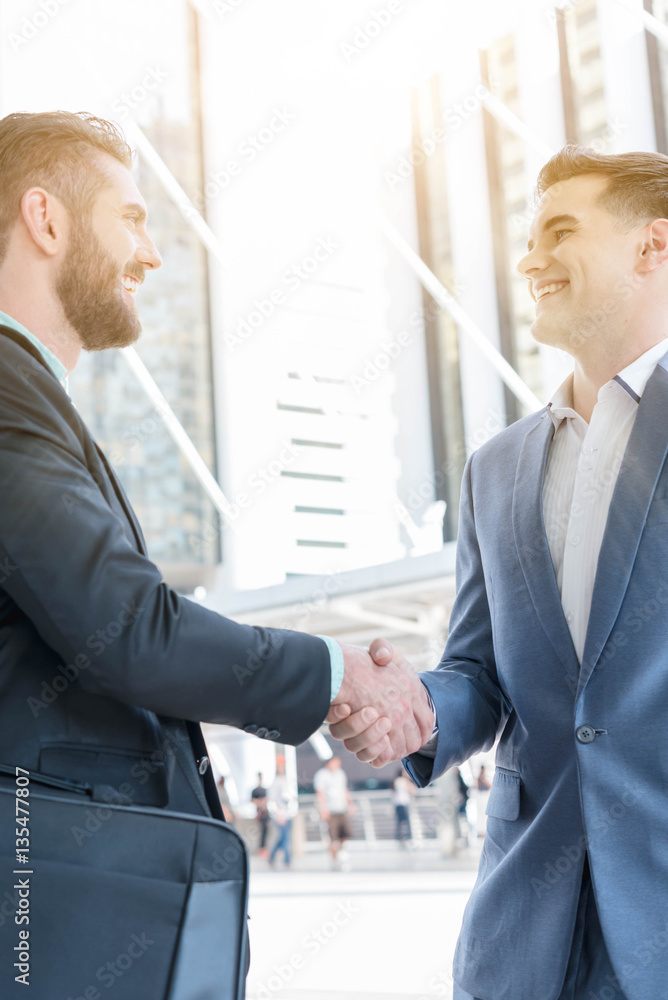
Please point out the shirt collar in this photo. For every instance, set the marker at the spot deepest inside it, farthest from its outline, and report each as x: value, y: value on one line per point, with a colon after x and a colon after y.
x: 54, y: 363
x: 632, y: 380
x: 561, y: 404
x: 635, y: 376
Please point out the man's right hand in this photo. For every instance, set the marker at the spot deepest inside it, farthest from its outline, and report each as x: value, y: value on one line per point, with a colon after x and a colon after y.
x: 382, y: 712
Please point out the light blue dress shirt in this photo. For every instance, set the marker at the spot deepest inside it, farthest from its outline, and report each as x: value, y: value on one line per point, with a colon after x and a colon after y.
x: 60, y: 371
x: 336, y: 658
x: 54, y: 363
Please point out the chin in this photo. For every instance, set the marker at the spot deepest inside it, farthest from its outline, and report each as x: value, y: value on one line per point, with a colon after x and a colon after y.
x: 104, y: 339
x: 541, y: 332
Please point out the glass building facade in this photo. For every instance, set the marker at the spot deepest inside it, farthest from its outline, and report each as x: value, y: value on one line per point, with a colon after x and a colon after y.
x: 333, y: 400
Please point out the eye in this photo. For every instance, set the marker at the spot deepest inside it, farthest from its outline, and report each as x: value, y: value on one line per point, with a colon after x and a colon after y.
x: 559, y: 232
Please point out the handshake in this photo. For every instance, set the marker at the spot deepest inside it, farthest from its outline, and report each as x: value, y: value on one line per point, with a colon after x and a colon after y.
x: 382, y: 712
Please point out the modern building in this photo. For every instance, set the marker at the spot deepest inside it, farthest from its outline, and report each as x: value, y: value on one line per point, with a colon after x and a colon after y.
x: 302, y: 163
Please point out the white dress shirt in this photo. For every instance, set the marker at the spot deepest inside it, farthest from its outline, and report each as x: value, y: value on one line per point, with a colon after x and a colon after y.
x: 582, y: 468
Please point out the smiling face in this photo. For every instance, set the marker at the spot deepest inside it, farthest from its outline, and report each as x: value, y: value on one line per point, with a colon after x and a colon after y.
x: 581, y: 268
x: 108, y: 256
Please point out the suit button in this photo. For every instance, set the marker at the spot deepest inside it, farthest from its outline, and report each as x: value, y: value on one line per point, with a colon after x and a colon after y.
x: 273, y: 734
x: 251, y: 729
x: 585, y: 734
x: 203, y: 765
x: 262, y: 732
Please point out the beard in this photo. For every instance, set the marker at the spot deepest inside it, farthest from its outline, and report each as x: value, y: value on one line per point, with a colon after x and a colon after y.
x: 91, y: 293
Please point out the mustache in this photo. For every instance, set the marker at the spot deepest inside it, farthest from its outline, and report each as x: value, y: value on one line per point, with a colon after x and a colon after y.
x: 135, y: 272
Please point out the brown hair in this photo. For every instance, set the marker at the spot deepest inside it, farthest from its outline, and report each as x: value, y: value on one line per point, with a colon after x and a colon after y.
x: 55, y: 150
x: 637, y: 188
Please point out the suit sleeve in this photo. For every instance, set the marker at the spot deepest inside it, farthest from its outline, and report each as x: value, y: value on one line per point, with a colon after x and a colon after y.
x: 471, y: 708
x: 104, y: 607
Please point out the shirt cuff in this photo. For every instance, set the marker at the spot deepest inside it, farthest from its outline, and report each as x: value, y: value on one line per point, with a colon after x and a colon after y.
x: 336, y: 660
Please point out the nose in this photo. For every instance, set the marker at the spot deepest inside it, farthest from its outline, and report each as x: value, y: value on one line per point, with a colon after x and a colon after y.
x: 536, y: 259
x: 148, y: 255
x: 526, y: 265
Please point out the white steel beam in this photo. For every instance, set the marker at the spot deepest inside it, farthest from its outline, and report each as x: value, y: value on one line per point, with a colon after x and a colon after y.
x: 441, y: 295
x: 653, y: 25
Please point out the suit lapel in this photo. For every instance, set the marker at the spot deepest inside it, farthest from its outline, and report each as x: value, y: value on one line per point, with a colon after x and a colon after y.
x: 632, y: 496
x: 532, y: 545
x: 28, y: 346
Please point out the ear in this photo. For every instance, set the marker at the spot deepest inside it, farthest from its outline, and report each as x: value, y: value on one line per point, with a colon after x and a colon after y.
x: 45, y: 218
x: 654, y: 248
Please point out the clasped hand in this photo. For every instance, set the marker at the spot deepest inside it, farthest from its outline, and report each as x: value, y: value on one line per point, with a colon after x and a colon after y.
x: 382, y: 712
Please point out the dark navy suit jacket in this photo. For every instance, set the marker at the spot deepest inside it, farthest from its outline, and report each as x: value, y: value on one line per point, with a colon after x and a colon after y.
x: 105, y: 671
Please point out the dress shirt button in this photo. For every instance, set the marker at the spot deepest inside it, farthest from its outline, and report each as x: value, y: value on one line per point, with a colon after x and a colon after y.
x: 586, y: 468
x: 569, y: 616
x: 203, y: 765
x: 588, y: 450
x: 585, y: 734
x: 574, y: 539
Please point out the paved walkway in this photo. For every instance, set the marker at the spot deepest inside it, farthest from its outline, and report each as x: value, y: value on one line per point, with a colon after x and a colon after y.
x: 385, y: 930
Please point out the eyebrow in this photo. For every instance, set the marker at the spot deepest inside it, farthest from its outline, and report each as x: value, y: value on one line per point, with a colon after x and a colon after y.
x: 137, y: 209
x: 551, y: 223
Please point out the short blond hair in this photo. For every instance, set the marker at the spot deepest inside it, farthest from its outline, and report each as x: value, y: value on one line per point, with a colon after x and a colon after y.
x: 56, y: 150
x: 637, y: 188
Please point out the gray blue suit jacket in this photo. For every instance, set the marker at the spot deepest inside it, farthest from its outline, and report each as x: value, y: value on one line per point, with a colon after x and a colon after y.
x: 582, y: 761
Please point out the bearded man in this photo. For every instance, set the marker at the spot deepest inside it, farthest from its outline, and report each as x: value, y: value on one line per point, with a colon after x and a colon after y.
x: 84, y: 613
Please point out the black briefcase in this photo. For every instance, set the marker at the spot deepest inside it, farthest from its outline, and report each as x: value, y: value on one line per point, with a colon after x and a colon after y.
x: 147, y: 904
